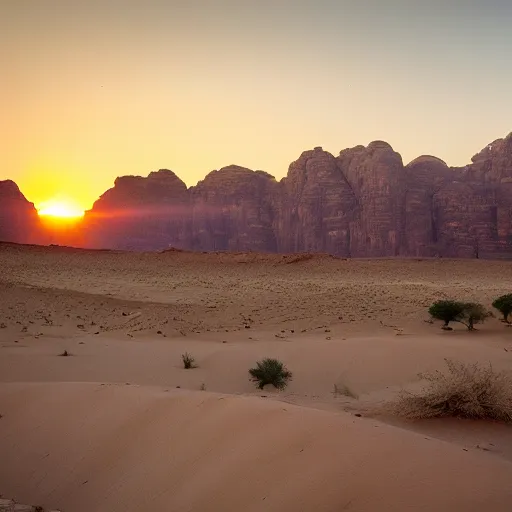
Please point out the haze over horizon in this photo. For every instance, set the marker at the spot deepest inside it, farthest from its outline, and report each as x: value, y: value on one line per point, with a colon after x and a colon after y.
x: 98, y: 89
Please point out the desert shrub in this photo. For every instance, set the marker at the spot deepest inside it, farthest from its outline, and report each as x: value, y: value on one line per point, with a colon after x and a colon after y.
x: 473, y: 313
x: 504, y: 305
x: 188, y: 361
x: 466, y: 313
x: 447, y: 311
x: 270, y: 371
x: 464, y: 391
x: 345, y: 390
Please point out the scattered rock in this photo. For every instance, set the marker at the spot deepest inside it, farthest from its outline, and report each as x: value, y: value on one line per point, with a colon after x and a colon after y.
x: 486, y: 447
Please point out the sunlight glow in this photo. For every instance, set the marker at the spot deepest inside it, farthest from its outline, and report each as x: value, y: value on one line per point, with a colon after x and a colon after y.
x: 59, y: 208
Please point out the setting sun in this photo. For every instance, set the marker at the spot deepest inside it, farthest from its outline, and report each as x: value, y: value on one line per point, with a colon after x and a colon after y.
x: 61, y: 209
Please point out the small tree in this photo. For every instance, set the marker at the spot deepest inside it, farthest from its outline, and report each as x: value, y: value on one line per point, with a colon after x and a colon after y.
x: 188, y: 361
x: 270, y: 371
x: 466, y: 313
x: 473, y: 313
x: 447, y: 311
x: 504, y: 305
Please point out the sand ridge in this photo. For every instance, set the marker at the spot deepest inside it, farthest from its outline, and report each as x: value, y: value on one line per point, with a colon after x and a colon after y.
x: 137, y: 448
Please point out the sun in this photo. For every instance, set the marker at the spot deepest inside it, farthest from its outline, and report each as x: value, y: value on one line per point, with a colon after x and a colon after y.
x: 61, y: 209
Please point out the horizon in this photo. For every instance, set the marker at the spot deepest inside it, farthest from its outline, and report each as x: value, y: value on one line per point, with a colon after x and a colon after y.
x: 117, y: 88
x: 72, y: 211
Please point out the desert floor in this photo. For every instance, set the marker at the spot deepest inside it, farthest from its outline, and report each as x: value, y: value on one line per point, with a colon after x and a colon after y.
x: 121, y: 426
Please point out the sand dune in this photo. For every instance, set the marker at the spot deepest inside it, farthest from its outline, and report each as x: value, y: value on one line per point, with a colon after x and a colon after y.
x: 111, y: 414
x: 123, y: 448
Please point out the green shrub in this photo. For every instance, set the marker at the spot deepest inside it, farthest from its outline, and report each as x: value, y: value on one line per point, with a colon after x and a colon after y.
x: 270, y: 371
x: 465, y: 391
x: 466, y: 313
x: 474, y: 313
x: 504, y: 305
x: 188, y: 361
x: 447, y: 311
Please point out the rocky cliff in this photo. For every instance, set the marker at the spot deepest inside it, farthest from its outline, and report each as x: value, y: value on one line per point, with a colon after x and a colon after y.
x: 141, y: 214
x: 19, y: 221
x: 363, y: 203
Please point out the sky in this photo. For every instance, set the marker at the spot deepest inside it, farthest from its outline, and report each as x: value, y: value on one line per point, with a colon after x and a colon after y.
x: 95, y: 89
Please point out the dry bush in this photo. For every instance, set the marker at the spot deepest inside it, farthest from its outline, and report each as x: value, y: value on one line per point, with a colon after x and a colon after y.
x: 464, y: 391
x: 343, y: 389
x: 188, y: 361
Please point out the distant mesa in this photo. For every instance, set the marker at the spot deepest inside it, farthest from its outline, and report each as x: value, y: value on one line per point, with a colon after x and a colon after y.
x: 363, y: 203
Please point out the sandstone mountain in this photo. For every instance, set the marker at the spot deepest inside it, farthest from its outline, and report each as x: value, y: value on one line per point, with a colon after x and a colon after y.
x: 18, y: 217
x: 363, y: 203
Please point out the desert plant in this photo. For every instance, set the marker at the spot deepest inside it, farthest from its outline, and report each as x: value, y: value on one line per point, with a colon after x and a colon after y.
x: 466, y: 313
x: 343, y: 389
x: 188, y: 361
x: 270, y: 371
x: 447, y: 311
x: 472, y: 314
x: 464, y: 391
x: 504, y: 305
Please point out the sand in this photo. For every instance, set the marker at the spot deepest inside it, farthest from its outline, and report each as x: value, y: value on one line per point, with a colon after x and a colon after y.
x: 122, y: 414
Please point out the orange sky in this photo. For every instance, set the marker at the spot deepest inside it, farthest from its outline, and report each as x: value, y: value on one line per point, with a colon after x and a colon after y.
x: 97, y: 89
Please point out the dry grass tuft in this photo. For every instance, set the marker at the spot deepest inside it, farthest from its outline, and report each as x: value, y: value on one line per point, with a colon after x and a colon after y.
x: 343, y: 389
x: 465, y: 391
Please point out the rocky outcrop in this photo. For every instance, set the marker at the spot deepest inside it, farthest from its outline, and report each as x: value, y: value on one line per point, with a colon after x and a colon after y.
x: 316, y: 206
x: 19, y: 221
x: 377, y: 177
x: 141, y: 214
x: 424, y: 178
x: 362, y: 203
x: 233, y: 209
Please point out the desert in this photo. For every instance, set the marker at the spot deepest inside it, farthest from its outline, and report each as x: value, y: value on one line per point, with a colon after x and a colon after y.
x: 119, y: 424
x: 255, y: 256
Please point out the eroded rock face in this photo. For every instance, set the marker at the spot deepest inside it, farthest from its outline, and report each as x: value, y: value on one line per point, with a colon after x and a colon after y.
x: 475, y: 206
x: 317, y: 206
x: 19, y: 221
x: 377, y: 177
x: 233, y: 209
x: 363, y: 203
x: 141, y: 214
x: 424, y: 178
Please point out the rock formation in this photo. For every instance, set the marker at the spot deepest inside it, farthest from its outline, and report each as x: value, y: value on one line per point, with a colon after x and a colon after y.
x: 362, y: 203
x: 233, y: 209
x: 316, y: 206
x: 141, y: 214
x: 19, y: 221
